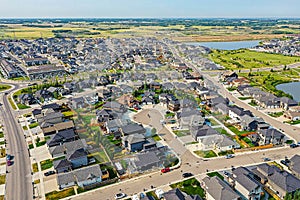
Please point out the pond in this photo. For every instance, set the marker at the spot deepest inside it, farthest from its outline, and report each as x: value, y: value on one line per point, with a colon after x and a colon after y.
x: 227, y: 45
x: 292, y: 88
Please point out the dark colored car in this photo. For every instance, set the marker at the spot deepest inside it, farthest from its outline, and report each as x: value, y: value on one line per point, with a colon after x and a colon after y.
x: 8, y: 157
x: 9, y: 163
x: 294, y: 145
x: 49, y: 173
x: 187, y: 174
x: 165, y: 170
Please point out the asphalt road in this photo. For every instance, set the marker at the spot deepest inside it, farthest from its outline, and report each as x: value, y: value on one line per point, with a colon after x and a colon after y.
x: 18, y: 180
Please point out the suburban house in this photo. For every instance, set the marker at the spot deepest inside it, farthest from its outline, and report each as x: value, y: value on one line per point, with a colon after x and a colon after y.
x: 146, y: 161
x: 78, y: 102
x: 294, y: 165
x: 244, y: 182
x: 270, y: 136
x: 177, y: 194
x: 62, y: 137
x: 43, y: 95
x: 248, y: 123
x: 291, y: 115
x: 77, y: 157
x: 217, y: 189
x: 189, y: 117
x: 62, y: 166
x: 112, y: 126
x: 58, y: 127
x: 85, y: 176
x: 27, y: 99
x: 105, y: 115
x: 286, y: 102
x: 132, y: 129
x: 115, y: 106
x: 62, y: 149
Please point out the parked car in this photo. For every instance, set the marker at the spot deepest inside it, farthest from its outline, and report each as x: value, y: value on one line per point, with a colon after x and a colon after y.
x: 228, y: 156
x: 9, y: 163
x: 165, y: 170
x: 49, y: 173
x: 187, y: 174
x: 8, y: 157
x: 135, y: 197
x: 266, y: 159
x: 120, y: 195
x: 294, y: 145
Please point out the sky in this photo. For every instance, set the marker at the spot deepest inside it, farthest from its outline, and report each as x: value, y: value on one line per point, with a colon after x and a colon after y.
x: 149, y: 8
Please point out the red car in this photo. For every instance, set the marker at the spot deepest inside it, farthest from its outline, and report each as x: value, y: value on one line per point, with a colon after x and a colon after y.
x: 165, y: 170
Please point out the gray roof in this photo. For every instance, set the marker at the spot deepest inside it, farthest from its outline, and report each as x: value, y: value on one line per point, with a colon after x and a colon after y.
x: 295, y: 164
x: 242, y: 176
x: 218, y: 189
x: 284, y: 180
x: 144, y: 159
x: 86, y: 173
x: 78, y: 153
x: 134, y: 138
x: 65, y: 178
x: 61, y: 163
x: 133, y: 128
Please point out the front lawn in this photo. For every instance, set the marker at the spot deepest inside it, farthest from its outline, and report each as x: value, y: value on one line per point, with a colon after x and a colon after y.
x: 22, y: 106
x: 60, y: 194
x: 2, y: 179
x: 46, y: 164
x: 293, y: 122
x: 4, y: 87
x: 206, y: 154
x: 1, y: 134
x: 35, y: 167
x: 212, y: 174
x: 276, y: 114
x: 156, y: 137
x: 181, y: 133
x: 190, y: 187
x: 33, y: 125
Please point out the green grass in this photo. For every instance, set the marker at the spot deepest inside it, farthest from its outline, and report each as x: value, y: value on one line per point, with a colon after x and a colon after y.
x: 100, y: 157
x: 156, y: 137
x: 248, y: 141
x: 152, y: 194
x: 12, y: 103
x: 25, y: 128
x: 212, y: 174
x: 190, y: 187
x: 206, y: 154
x: 68, y: 114
x: 30, y: 146
x: 213, y: 122
x: 22, y: 106
x: 60, y: 194
x: 1, y: 134
x: 276, y: 114
x: 223, y: 131
x: 4, y: 87
x: 87, y: 118
x: 46, y: 164
x: 246, y: 59
x: 223, y: 153
x: 236, y: 131
x: 170, y: 114
x: 245, y: 98
x: 2, y: 179
x: 41, y: 143
x: 33, y: 125
x: 293, y: 122
x: 181, y: 133
x: 37, y: 181
x: 35, y: 167
x: 2, y: 142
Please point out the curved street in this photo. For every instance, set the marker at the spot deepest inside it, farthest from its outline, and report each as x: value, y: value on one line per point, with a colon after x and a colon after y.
x: 18, y: 177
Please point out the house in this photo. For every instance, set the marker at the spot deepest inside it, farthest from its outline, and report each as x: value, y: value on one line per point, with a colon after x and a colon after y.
x: 294, y: 165
x: 114, y: 125
x: 62, y: 137
x: 177, y: 194
x: 228, y: 76
x: 62, y: 149
x: 115, y: 106
x: 43, y: 95
x: 246, y: 184
x: 270, y: 136
x: 134, y: 142
x: 77, y: 157
x: 221, y: 108
x: 56, y: 107
x: 49, y: 117
x: 286, y: 102
x: 27, y: 99
x: 217, y: 189
x: 146, y: 161
x: 173, y: 105
x: 105, y: 115
x: 58, y: 127
x: 294, y: 116
x: 78, y: 102
x: 62, y: 166
x: 248, y: 123
x: 236, y: 112
x: 132, y: 129
x: 217, y: 142
x: 88, y: 175
x: 104, y: 94
x: 188, y: 118
x: 187, y: 103
x: 65, y: 180
x: 217, y: 100
x: 282, y: 182
x: 201, y: 132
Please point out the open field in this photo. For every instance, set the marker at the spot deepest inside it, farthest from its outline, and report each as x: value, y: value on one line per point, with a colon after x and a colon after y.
x: 246, y: 59
x: 180, y: 32
x: 269, y: 79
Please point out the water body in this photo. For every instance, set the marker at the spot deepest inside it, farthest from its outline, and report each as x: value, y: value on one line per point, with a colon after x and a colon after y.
x: 227, y: 45
x: 292, y: 88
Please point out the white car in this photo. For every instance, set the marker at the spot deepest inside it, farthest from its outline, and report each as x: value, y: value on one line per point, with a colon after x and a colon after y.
x: 135, y: 197
x: 120, y: 196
